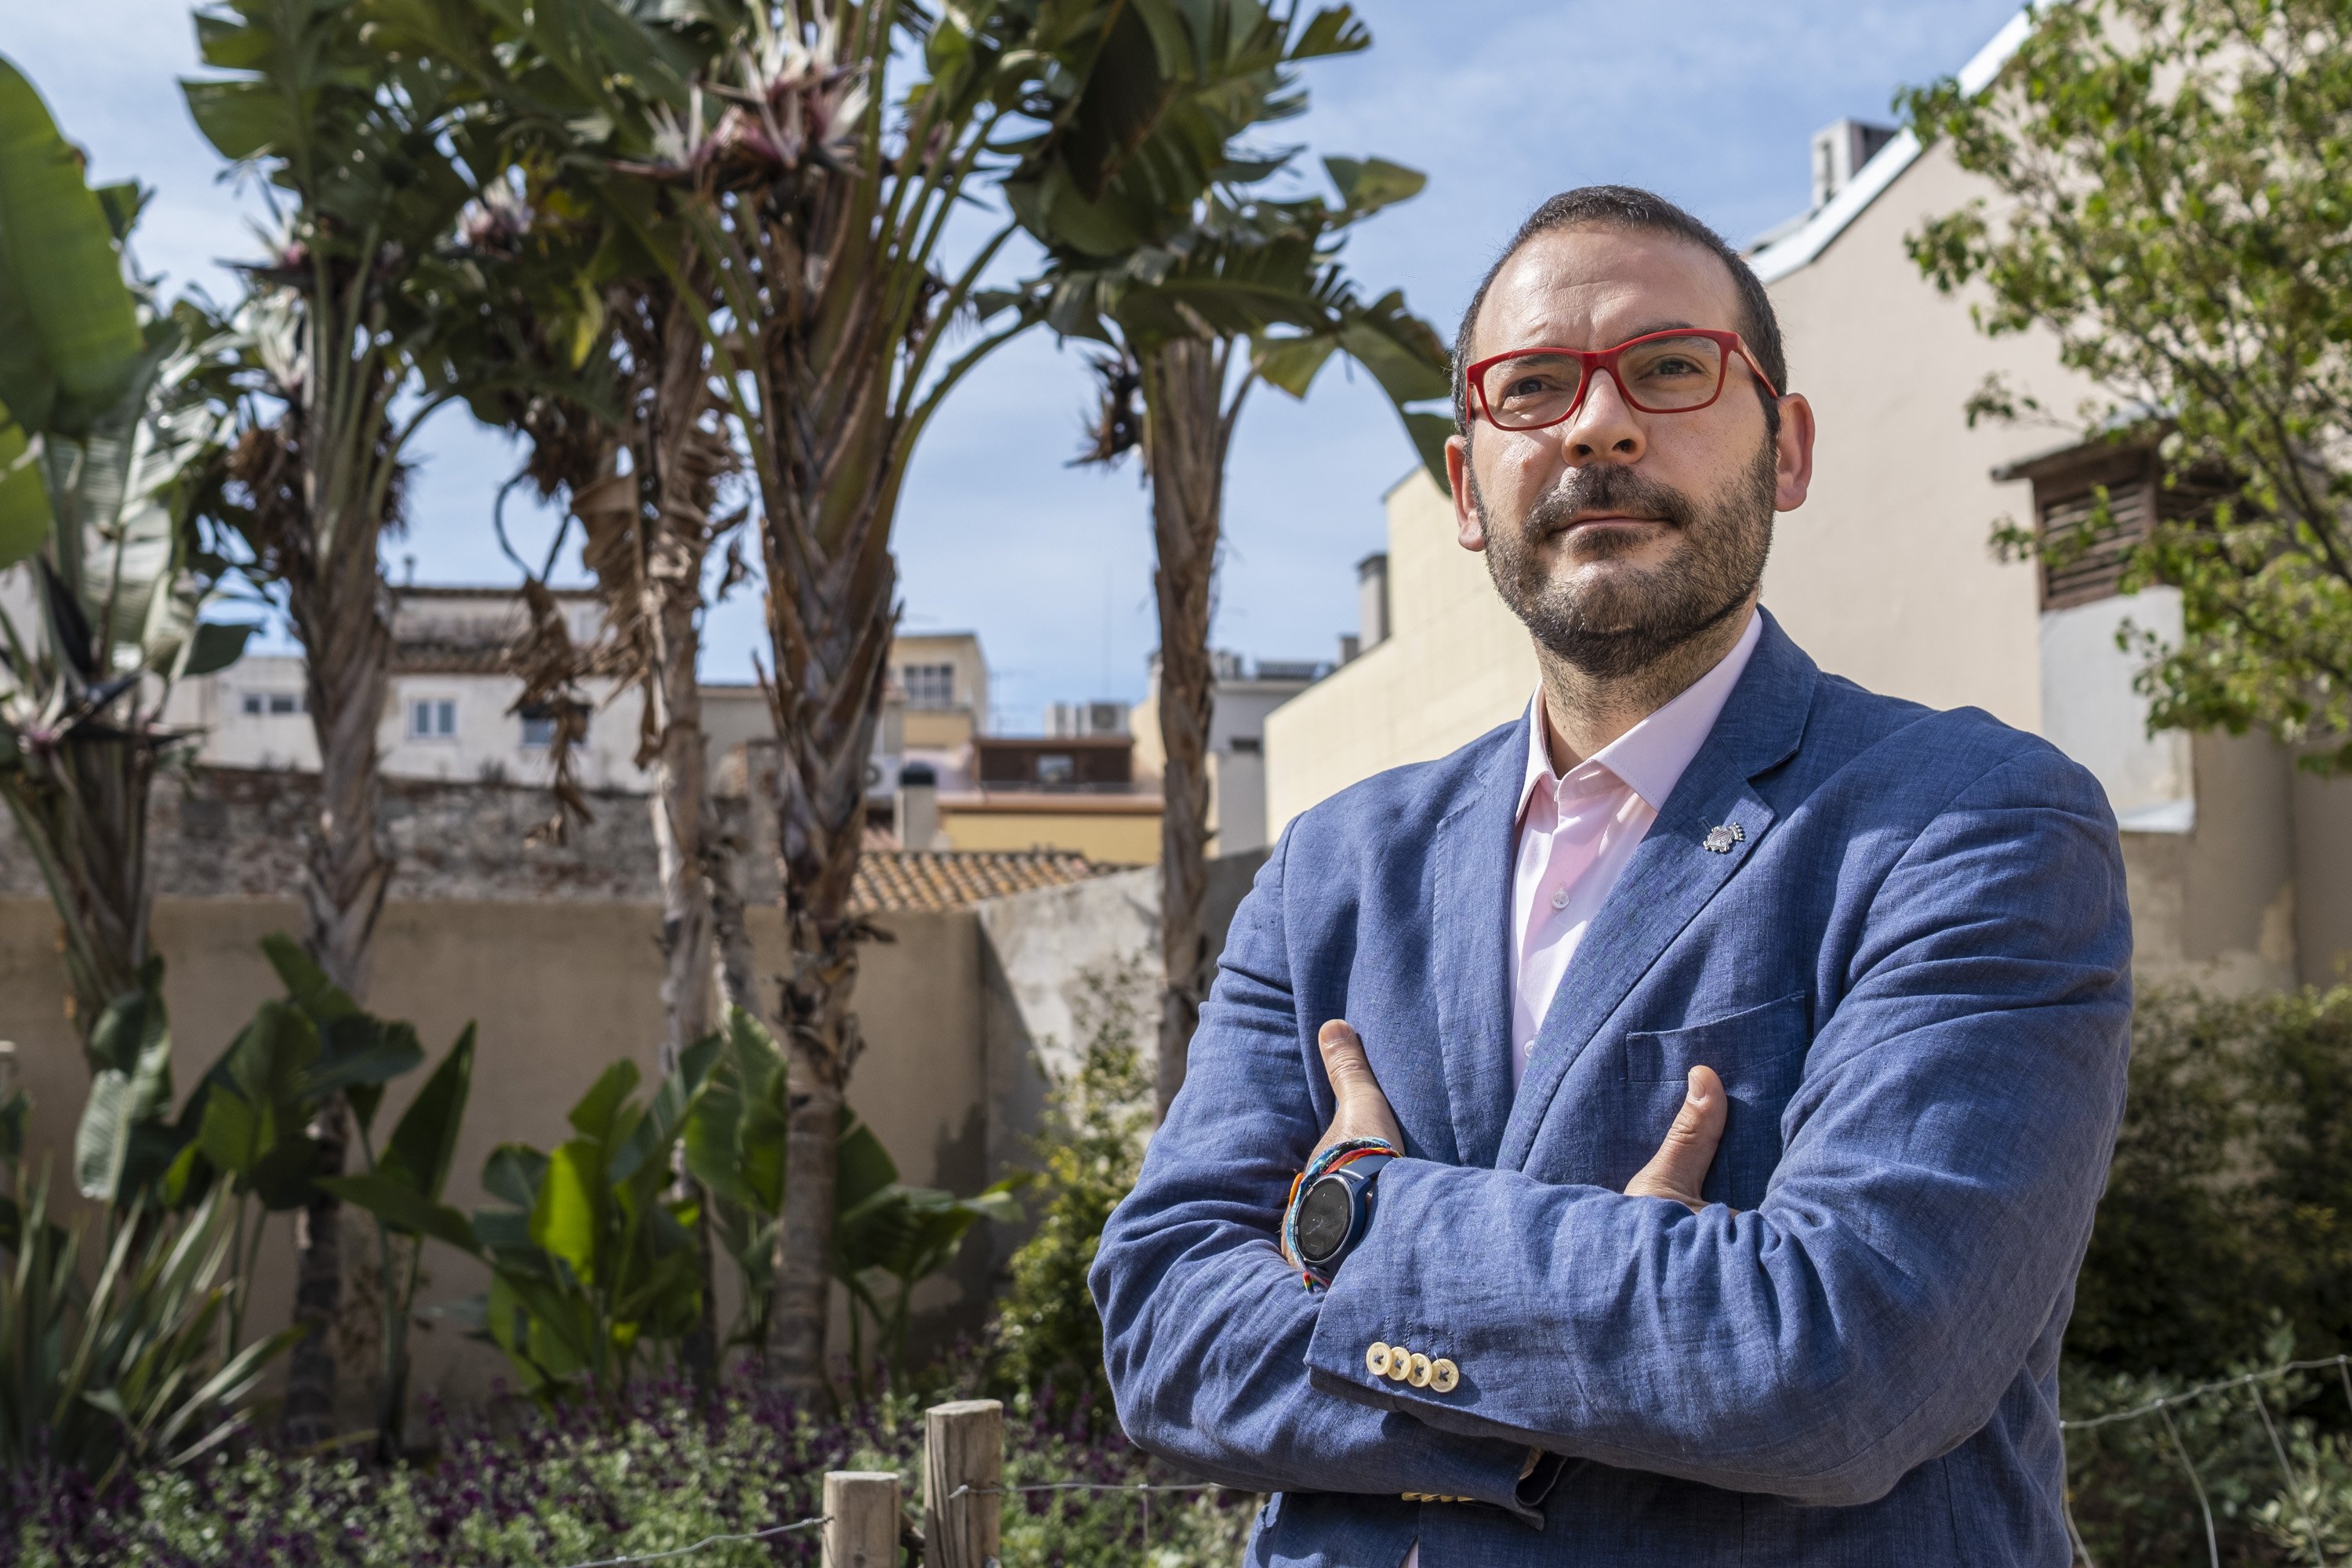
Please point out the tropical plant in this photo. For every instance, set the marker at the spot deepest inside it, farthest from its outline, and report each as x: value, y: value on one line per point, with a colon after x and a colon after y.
x: 105, y: 435
x: 128, y: 1372
x: 2166, y: 182
x: 734, y: 1146
x: 1046, y: 1337
x: 243, y: 1142
x: 592, y: 1259
x: 367, y: 146
x: 1204, y: 284
x: 889, y: 1237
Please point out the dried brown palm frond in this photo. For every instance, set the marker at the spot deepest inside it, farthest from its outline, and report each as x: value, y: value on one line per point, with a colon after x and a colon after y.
x: 1117, y: 424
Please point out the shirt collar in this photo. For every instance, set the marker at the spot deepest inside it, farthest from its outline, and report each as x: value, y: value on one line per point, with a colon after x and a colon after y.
x: 1650, y: 757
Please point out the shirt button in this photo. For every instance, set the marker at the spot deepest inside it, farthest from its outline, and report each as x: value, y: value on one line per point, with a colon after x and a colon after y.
x: 1559, y: 898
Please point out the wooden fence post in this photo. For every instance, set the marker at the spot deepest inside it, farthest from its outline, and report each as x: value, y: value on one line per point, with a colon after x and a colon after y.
x: 963, y: 1468
x: 861, y: 1518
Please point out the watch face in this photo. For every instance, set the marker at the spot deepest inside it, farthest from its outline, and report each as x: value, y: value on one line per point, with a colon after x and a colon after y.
x: 1323, y: 1217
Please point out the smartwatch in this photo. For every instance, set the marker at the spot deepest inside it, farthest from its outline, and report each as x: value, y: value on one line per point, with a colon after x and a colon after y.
x: 1334, y: 1213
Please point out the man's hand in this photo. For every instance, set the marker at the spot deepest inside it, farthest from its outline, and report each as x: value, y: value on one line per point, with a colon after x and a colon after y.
x: 1676, y: 1172
x: 1363, y: 1110
x: 1679, y: 1166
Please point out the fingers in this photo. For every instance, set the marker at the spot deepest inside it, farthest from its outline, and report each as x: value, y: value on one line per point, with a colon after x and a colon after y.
x: 1679, y: 1168
x: 1363, y: 1110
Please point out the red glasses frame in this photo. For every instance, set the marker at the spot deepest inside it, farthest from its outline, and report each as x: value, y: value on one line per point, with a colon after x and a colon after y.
x: 1591, y: 362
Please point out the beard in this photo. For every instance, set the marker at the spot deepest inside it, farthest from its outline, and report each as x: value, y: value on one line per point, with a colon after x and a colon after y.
x: 1615, y: 628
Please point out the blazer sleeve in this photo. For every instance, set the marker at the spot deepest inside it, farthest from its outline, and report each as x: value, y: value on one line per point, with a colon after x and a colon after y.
x: 1206, y: 1327
x: 1943, y: 1155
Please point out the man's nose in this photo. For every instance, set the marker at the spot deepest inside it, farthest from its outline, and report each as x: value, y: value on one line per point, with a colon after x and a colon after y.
x: 1604, y: 430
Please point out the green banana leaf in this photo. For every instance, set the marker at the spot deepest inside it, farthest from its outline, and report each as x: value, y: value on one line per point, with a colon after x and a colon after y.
x: 70, y: 338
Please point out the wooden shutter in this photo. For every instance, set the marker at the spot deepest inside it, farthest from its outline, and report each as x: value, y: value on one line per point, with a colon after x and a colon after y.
x: 2079, y: 577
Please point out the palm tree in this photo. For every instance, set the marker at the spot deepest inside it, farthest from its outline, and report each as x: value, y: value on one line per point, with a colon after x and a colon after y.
x: 364, y: 152
x: 624, y: 423
x: 105, y: 430
x: 772, y: 151
x: 1201, y: 297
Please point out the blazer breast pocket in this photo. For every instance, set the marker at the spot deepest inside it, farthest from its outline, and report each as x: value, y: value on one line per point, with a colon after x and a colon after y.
x: 1759, y: 1054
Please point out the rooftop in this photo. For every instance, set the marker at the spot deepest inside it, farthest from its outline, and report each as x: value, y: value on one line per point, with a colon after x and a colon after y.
x: 896, y: 880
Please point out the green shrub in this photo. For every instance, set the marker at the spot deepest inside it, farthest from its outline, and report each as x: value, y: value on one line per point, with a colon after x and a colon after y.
x: 2230, y: 1206
x: 571, y: 1483
x: 1047, y: 1339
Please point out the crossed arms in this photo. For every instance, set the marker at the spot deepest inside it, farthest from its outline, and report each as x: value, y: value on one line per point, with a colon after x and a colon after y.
x: 1943, y: 1155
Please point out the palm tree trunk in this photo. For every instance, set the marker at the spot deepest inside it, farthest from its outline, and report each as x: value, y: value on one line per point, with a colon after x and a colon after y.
x: 1186, y: 429
x: 341, y: 607
x: 831, y: 613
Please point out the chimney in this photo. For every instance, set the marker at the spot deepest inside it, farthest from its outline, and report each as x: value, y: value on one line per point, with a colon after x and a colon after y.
x: 1371, y: 602
x: 408, y: 570
x: 1840, y: 149
x: 918, y: 806
x: 1350, y: 647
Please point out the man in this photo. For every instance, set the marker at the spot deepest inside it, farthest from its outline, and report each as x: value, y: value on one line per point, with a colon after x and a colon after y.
x: 1864, y: 964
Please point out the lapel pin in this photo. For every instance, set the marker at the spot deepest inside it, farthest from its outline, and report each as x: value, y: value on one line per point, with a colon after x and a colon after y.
x: 1719, y: 840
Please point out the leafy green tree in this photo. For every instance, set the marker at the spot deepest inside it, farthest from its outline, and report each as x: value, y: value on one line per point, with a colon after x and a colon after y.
x: 106, y: 434
x: 2170, y: 184
x: 1205, y: 284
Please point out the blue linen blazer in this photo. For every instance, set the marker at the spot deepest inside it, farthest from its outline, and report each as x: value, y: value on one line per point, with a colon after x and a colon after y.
x: 1912, y: 973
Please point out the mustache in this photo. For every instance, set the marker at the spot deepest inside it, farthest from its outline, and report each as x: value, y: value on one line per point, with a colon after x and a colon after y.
x: 1608, y: 488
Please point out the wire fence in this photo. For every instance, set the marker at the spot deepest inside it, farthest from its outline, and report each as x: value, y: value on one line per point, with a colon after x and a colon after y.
x: 2298, y: 1488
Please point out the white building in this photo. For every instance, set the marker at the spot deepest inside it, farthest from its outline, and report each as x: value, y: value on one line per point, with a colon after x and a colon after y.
x: 452, y: 712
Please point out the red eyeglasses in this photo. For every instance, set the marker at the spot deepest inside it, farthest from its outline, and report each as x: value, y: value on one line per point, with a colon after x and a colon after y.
x: 1675, y: 372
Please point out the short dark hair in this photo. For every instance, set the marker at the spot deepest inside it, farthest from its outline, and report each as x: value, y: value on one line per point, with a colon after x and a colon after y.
x: 1629, y: 207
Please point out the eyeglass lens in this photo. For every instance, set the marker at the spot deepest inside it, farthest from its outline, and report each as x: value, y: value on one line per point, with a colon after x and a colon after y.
x: 1661, y: 375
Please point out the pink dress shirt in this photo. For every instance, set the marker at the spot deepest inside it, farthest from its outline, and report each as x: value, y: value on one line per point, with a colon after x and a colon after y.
x: 1577, y: 833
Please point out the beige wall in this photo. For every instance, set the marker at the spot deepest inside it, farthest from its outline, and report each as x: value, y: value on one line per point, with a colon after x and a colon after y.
x: 1884, y: 575
x: 560, y: 990
x: 1125, y: 836
x: 1456, y: 664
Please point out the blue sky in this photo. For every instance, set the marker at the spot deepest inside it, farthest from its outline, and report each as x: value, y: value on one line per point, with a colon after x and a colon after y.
x: 1708, y: 101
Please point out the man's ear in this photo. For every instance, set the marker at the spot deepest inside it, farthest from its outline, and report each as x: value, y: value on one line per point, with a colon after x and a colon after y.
x: 1795, y: 477
x: 1468, y: 527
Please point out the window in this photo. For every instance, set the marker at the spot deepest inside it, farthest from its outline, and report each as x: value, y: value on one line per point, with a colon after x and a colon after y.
x: 1056, y: 768
x: 1247, y: 745
x: 929, y: 685
x: 433, y: 719
x: 539, y: 727
x: 274, y: 704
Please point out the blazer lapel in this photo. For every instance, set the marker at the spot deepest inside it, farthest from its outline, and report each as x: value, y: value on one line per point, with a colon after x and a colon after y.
x: 1673, y: 874
x: 1470, y: 947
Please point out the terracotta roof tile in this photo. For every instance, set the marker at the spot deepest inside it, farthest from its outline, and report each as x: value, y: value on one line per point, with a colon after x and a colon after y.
x: 890, y: 880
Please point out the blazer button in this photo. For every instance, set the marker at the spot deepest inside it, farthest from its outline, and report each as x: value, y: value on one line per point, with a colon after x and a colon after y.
x: 1376, y: 1360
x: 1400, y: 1364
x: 1443, y: 1375
x: 1418, y: 1371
